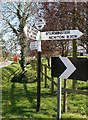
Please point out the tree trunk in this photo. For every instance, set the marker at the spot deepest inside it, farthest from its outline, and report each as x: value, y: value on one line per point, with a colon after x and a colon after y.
x: 22, y: 43
x: 74, y: 42
x: 22, y: 62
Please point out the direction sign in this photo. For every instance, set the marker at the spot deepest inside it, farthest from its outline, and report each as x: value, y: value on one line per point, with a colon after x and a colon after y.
x: 70, y: 68
x: 59, y: 35
x: 34, y: 45
x: 31, y: 32
x: 40, y: 23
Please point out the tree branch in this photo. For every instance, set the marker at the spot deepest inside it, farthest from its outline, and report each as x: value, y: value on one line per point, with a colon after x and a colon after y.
x: 18, y: 11
x: 11, y: 26
x: 83, y: 46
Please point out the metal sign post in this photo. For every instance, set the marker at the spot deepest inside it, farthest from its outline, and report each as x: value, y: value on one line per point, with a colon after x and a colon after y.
x: 59, y: 99
x: 39, y: 75
x: 68, y: 68
x: 39, y: 25
x: 35, y: 34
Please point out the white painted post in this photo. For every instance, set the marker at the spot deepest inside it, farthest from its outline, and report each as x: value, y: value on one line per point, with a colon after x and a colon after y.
x: 59, y: 98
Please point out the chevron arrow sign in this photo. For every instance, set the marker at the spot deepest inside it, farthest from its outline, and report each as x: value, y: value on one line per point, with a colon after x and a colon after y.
x: 70, y: 68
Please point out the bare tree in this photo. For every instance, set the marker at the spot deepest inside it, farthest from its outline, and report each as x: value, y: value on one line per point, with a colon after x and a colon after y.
x: 14, y: 17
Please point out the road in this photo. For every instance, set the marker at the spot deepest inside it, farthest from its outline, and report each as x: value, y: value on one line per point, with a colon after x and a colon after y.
x: 6, y: 63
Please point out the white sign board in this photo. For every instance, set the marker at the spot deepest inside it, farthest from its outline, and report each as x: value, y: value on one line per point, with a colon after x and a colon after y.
x: 60, y: 35
x: 31, y: 32
x: 34, y: 45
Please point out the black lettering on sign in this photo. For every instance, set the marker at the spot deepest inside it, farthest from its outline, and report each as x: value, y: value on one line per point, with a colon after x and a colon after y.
x: 48, y: 33
x: 50, y: 37
x: 33, y: 36
x: 57, y: 32
x: 67, y: 36
x: 34, y: 33
x: 73, y: 36
x: 34, y: 30
x: 59, y: 37
x: 28, y: 27
x: 27, y: 34
x: 56, y: 37
x: 67, y: 32
x: 28, y: 30
x: 63, y: 37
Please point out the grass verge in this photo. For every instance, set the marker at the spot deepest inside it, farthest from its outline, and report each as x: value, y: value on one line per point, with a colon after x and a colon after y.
x: 19, y: 100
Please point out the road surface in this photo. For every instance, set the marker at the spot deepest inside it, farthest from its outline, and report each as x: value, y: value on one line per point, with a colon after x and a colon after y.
x: 5, y: 63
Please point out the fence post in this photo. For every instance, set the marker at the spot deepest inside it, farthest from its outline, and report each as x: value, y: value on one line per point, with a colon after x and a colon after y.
x: 52, y: 85
x: 45, y: 77
x: 65, y: 96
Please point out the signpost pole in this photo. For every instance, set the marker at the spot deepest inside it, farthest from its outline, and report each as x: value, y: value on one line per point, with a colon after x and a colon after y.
x: 39, y: 25
x: 59, y: 99
x: 39, y: 74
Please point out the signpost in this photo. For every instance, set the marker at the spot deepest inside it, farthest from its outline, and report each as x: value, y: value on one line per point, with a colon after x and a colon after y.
x: 62, y: 67
x: 31, y: 32
x: 58, y: 98
x: 70, y: 68
x: 34, y: 45
x: 39, y: 75
x: 39, y: 25
x: 61, y: 35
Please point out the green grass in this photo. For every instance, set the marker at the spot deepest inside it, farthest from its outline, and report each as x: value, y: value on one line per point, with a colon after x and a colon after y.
x: 19, y: 100
x: 8, y: 71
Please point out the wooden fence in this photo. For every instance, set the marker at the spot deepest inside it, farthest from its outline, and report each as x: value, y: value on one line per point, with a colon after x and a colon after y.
x: 65, y: 89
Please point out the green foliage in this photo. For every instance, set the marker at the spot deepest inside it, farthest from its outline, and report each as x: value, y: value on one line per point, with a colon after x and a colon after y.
x: 14, y: 73
x: 33, y: 63
x: 19, y: 100
x: 77, y: 103
x: 10, y: 71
